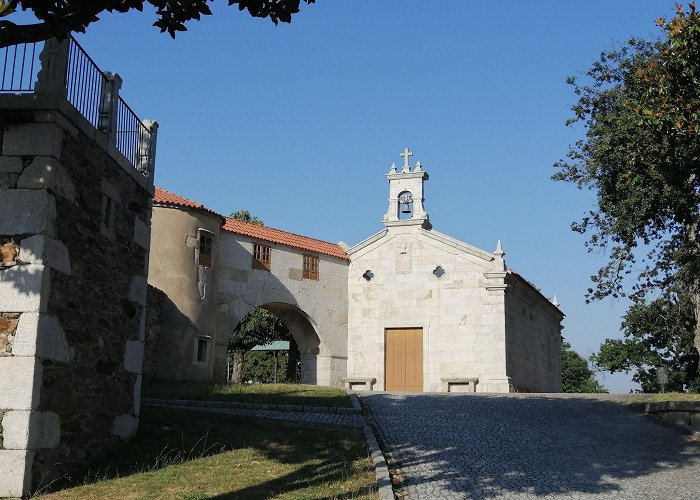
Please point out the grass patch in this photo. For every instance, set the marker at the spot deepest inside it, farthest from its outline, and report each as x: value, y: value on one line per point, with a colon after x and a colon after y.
x: 192, y: 455
x: 661, y: 397
x: 281, y: 394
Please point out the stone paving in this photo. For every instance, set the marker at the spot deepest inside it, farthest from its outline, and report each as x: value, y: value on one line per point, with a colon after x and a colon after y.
x: 531, y: 446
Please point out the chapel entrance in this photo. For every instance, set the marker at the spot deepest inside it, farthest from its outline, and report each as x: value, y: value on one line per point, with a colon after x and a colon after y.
x: 403, y: 348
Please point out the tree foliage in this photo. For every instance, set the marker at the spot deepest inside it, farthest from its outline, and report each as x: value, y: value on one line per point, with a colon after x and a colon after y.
x: 57, y: 18
x: 246, y: 216
x: 576, y: 376
x: 640, y: 106
x: 258, y: 327
x: 658, y: 333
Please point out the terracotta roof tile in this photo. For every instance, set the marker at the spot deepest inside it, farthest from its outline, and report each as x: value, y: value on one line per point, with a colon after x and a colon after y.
x: 284, y: 238
x: 164, y: 197
x: 264, y: 233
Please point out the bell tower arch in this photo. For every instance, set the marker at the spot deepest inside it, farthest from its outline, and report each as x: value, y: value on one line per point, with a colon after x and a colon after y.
x: 406, y: 194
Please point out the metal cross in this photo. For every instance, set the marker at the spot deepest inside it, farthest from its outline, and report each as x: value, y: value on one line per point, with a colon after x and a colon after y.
x: 406, y: 154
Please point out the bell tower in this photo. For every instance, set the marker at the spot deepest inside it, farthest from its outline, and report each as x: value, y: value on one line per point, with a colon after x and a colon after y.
x: 406, y: 195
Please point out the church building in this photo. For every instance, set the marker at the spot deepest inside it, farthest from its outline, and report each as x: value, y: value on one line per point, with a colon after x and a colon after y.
x: 407, y: 309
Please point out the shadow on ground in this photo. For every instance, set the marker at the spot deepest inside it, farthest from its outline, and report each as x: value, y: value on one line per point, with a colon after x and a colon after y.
x: 190, y: 454
x: 537, y: 444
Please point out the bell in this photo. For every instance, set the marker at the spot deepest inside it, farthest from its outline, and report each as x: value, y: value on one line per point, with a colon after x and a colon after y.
x: 406, y: 208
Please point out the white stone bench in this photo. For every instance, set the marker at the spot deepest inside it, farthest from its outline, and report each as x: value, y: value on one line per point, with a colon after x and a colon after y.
x: 470, y: 382
x: 366, y: 382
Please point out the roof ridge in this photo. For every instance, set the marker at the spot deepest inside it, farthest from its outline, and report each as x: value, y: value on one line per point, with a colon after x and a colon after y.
x: 282, y: 231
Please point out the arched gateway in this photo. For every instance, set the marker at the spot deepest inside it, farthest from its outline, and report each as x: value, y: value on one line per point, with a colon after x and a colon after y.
x: 214, y: 270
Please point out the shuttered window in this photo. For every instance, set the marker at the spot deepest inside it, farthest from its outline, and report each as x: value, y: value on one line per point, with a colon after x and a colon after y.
x: 206, y: 245
x: 311, y: 267
x: 261, y: 256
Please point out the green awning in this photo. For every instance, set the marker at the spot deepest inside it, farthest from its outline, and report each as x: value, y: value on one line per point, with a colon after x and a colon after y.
x: 277, y: 345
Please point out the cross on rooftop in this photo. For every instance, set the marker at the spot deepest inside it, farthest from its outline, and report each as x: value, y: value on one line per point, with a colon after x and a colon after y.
x: 406, y: 154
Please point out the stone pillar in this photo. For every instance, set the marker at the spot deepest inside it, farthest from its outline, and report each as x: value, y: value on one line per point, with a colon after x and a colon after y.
x: 147, y: 149
x: 54, y: 64
x: 111, y: 85
x: 31, y: 334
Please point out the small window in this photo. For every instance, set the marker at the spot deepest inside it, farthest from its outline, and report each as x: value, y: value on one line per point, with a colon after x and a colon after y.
x: 206, y: 245
x: 439, y: 272
x: 261, y: 256
x: 311, y: 267
x: 202, y: 349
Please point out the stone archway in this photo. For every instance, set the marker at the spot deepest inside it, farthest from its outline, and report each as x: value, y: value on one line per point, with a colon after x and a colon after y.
x: 302, y: 329
x: 319, y: 365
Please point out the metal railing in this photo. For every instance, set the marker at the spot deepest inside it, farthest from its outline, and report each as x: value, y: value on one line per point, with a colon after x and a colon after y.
x: 133, y: 137
x: 85, y: 82
x: 67, y: 68
x: 20, y: 65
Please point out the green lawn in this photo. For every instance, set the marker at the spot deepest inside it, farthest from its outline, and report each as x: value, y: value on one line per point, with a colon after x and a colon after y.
x: 185, y: 454
x: 283, y: 394
x: 661, y: 397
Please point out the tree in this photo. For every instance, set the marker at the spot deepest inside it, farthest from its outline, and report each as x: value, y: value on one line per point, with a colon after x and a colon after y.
x: 57, y: 18
x: 259, y: 326
x: 246, y: 216
x: 658, y: 333
x: 576, y: 376
x: 640, y: 106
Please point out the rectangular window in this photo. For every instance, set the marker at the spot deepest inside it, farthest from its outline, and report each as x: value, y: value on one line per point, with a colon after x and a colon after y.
x: 202, y: 348
x: 206, y: 245
x: 261, y: 256
x: 311, y: 267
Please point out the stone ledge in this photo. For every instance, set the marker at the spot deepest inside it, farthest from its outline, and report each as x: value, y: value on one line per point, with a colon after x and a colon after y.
x: 250, y: 406
x: 684, y: 415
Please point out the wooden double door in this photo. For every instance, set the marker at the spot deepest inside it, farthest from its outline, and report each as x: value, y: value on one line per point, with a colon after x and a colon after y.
x: 403, y: 359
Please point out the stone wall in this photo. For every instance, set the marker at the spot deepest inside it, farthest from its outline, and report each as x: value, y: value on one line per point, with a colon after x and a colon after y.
x: 315, y: 311
x: 533, y: 341
x: 154, y: 306
x: 72, y: 299
x: 458, y: 307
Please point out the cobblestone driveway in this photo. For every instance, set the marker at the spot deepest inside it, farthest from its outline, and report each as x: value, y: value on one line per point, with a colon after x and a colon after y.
x: 532, y: 446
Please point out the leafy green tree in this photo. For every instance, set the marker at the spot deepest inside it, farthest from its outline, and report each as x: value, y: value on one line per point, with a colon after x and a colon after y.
x: 259, y: 326
x: 576, y: 376
x: 640, y: 106
x: 57, y: 18
x: 658, y: 333
x: 246, y: 216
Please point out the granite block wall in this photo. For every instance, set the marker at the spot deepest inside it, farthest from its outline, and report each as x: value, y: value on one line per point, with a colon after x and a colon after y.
x: 73, y: 269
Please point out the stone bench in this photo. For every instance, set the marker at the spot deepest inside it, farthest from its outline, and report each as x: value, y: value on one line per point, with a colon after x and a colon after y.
x: 470, y: 382
x: 366, y: 382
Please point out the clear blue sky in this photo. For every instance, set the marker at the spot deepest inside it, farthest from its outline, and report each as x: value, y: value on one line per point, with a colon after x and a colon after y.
x: 299, y: 123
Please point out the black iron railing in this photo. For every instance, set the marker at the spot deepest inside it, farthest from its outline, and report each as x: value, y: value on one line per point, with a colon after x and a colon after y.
x: 95, y: 94
x: 133, y: 137
x: 20, y: 65
x: 85, y: 82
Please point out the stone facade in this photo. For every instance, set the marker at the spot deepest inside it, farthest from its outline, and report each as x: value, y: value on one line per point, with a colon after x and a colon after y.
x: 314, y: 310
x: 203, y: 304
x: 483, y: 326
x: 72, y: 295
x: 189, y: 308
x: 468, y: 307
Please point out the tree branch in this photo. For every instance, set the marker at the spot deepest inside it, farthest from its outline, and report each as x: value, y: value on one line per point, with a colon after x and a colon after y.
x: 60, y: 27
